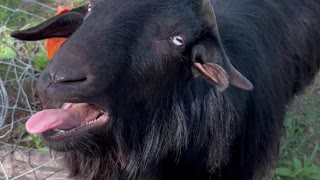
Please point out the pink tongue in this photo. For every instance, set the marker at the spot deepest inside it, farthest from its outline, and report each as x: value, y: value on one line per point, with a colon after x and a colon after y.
x: 72, y: 116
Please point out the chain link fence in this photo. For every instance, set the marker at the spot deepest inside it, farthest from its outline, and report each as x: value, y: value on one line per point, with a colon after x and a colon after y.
x: 20, y: 65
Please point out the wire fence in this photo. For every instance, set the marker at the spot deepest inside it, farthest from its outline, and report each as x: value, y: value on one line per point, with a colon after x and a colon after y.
x: 18, y: 73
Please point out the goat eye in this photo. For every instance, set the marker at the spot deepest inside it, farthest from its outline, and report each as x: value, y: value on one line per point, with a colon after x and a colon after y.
x: 89, y: 8
x: 177, y: 40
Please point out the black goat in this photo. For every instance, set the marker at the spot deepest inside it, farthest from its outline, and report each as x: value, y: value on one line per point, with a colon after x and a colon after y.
x: 147, y: 85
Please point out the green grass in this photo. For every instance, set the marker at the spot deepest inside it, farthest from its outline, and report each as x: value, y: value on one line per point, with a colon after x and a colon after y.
x: 300, y: 151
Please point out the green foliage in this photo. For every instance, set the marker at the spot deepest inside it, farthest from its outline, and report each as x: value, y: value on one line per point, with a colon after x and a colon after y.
x: 9, y: 47
x: 34, y: 141
x: 6, y: 52
x: 40, y: 62
x: 78, y: 3
x: 300, y: 150
x: 37, y: 142
x: 301, y: 169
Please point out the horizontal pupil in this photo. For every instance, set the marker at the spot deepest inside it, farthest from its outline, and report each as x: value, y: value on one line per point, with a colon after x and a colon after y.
x: 180, y: 40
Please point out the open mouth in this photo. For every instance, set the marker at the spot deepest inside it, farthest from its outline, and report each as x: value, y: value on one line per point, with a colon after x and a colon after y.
x: 72, y: 119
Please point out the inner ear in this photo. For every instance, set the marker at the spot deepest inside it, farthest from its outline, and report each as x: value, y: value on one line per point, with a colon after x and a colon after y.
x: 62, y: 25
x: 214, y: 73
x: 211, y: 62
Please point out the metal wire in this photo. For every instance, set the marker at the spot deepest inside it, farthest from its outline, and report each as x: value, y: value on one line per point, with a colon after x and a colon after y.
x: 4, y: 102
x: 17, y: 79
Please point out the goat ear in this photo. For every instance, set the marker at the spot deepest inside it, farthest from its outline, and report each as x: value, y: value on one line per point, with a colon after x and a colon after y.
x: 210, y: 61
x: 209, y: 57
x: 62, y: 25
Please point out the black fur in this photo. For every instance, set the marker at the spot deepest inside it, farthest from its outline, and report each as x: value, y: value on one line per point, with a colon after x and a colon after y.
x: 167, y: 121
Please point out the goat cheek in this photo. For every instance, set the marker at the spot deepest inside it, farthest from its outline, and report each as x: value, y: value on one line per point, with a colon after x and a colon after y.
x: 161, y: 47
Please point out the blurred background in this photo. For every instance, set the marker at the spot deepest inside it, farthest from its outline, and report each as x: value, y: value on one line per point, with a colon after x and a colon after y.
x: 22, y: 156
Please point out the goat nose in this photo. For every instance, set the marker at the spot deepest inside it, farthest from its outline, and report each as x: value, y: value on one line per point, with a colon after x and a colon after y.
x: 49, y: 78
x: 57, y: 84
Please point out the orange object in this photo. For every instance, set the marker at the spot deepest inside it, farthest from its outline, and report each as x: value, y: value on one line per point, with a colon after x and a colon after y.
x: 54, y: 44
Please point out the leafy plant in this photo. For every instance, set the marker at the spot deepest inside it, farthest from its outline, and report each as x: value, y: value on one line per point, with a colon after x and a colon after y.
x: 40, y: 62
x: 300, y: 150
x: 6, y: 52
x: 301, y: 169
x: 35, y: 141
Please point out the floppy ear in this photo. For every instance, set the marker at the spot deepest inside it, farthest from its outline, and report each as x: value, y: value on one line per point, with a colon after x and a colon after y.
x: 209, y: 57
x: 211, y: 62
x: 62, y: 25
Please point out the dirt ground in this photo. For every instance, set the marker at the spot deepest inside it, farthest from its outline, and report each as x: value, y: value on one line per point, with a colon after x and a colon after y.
x: 30, y: 164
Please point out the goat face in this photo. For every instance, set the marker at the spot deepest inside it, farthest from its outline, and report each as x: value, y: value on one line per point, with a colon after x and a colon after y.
x: 121, y: 58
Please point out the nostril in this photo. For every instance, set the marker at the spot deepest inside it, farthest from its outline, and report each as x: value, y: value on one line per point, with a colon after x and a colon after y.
x: 66, y: 77
x: 70, y: 80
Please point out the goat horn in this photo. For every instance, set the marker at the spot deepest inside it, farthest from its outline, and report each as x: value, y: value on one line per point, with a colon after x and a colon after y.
x: 207, y: 13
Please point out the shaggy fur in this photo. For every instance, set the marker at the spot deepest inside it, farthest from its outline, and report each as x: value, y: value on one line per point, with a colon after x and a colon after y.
x: 167, y: 121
